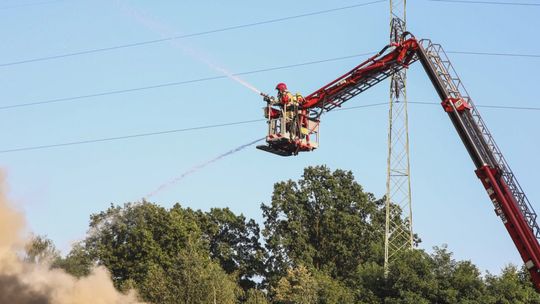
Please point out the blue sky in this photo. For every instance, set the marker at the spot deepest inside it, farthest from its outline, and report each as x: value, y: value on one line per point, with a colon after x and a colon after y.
x: 59, y: 188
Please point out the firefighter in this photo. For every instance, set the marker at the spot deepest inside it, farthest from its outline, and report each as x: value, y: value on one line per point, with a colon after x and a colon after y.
x: 290, y: 105
x: 284, y: 96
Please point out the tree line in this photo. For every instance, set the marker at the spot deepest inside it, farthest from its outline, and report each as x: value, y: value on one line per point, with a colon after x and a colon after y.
x: 321, y: 243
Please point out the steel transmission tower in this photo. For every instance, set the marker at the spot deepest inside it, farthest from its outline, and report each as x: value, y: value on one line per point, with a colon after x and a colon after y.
x: 399, y: 233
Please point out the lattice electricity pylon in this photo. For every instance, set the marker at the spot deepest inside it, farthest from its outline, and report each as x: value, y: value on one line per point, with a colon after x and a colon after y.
x: 398, y: 232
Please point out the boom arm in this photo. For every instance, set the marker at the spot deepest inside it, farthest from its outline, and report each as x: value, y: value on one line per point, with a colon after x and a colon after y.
x: 510, y: 202
x: 388, y: 61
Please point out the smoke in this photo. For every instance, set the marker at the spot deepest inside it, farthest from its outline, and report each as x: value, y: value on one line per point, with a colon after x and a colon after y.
x: 199, y: 167
x: 12, y: 290
x: 28, y: 283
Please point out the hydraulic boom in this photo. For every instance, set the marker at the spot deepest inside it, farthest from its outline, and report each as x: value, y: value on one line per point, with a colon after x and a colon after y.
x: 297, y: 131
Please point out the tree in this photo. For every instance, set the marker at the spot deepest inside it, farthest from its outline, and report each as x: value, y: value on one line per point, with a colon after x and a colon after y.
x: 234, y: 242
x: 411, y: 279
x: 457, y: 282
x: 512, y: 286
x: 324, y: 221
x: 78, y: 262
x: 193, y: 279
x: 41, y: 249
x: 466, y: 280
x: 324, y: 241
x: 332, y: 291
x: 371, y: 283
x: 297, y: 287
x: 160, y: 252
x: 202, y: 280
x: 255, y: 296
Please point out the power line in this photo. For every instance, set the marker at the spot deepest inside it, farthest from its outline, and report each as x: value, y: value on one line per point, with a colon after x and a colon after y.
x: 495, y: 54
x: 113, y: 92
x: 29, y: 4
x: 361, y: 106
x: 184, y: 82
x: 438, y: 104
x: 224, y: 29
x: 484, y: 106
x: 488, y: 2
x: 106, y: 139
x: 82, y: 142
x: 170, y: 84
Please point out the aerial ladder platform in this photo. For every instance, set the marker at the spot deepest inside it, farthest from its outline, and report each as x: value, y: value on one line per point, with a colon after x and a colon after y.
x: 296, y: 129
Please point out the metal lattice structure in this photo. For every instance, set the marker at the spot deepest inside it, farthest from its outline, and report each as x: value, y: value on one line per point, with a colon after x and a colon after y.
x: 399, y: 231
x: 490, y: 152
x: 510, y: 202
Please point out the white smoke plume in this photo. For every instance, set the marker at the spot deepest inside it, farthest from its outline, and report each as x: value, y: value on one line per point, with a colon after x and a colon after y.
x: 28, y: 283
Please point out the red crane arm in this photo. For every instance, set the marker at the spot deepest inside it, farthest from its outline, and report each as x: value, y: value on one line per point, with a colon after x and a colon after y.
x: 388, y: 61
x: 511, y: 203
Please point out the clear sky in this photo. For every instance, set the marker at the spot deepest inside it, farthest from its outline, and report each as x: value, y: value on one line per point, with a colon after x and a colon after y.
x: 59, y: 188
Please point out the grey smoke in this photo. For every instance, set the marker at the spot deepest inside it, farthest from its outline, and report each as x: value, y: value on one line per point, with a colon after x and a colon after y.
x: 13, y: 291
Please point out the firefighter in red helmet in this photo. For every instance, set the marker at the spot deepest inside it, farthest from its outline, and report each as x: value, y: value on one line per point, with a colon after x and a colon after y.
x: 286, y: 117
x: 284, y: 96
x: 290, y: 104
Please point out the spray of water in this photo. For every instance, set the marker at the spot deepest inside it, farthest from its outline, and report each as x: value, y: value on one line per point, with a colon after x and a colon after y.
x: 196, y: 168
x: 164, y: 31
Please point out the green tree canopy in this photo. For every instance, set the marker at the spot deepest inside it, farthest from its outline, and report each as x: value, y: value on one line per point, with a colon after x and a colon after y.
x: 324, y: 221
x: 41, y: 249
x: 162, y: 253
x: 234, y: 242
x: 512, y: 286
x: 323, y: 244
x: 297, y: 287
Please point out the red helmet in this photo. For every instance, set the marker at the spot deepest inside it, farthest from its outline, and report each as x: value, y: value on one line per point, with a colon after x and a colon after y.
x: 281, y: 87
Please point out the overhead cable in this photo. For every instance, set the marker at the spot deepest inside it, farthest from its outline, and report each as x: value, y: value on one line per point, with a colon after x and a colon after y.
x: 495, y: 54
x: 7, y: 7
x: 106, y: 139
x: 489, y: 2
x: 170, y: 84
x: 218, y: 30
x: 82, y: 142
x: 184, y: 82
